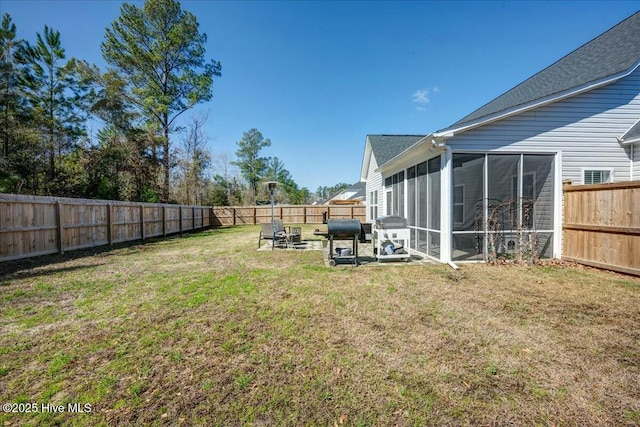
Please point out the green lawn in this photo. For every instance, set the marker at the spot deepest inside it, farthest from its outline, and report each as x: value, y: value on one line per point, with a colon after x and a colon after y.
x: 205, y: 330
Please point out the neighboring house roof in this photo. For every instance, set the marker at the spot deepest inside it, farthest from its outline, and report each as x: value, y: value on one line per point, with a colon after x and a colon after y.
x: 632, y: 135
x: 610, y: 56
x: 358, y: 190
x: 354, y: 192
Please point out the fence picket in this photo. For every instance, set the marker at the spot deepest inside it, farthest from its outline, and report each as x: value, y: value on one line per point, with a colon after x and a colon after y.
x: 33, y: 225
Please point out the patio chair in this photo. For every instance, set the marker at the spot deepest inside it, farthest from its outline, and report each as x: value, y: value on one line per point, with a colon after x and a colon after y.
x: 276, y: 233
x: 279, y: 233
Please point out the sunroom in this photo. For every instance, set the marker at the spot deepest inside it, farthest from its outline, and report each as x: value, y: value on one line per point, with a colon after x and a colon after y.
x: 472, y: 206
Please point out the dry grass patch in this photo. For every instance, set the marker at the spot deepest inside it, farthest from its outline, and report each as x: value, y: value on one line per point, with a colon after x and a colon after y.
x: 205, y: 330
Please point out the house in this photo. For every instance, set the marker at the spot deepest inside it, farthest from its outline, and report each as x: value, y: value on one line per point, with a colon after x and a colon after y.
x: 352, y: 195
x: 576, y: 120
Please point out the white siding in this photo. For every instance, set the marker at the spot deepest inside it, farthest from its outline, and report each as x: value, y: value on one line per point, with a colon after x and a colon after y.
x: 374, y: 183
x: 583, y: 127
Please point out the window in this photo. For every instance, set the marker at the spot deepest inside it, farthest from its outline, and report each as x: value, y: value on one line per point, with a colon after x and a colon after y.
x: 395, y: 194
x: 389, y: 202
x: 597, y: 176
x: 373, y: 205
x: 458, y: 204
x: 399, y: 205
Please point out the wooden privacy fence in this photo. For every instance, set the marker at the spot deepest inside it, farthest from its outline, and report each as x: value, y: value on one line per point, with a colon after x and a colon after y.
x: 32, y: 226
x: 290, y: 214
x: 602, y: 226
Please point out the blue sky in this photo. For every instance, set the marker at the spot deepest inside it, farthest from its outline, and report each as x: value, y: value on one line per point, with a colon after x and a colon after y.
x: 316, y: 76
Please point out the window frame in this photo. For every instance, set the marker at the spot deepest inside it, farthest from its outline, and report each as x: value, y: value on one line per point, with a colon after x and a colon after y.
x: 583, y: 172
x: 373, y: 204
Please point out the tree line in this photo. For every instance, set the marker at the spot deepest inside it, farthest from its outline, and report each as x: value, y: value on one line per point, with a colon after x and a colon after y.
x: 144, y: 148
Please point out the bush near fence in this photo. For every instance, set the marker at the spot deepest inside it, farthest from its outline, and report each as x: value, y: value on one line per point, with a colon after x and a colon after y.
x: 33, y: 225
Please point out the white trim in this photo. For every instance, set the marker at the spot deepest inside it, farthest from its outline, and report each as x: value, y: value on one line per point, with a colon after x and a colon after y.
x: 481, y: 121
x: 631, y: 160
x: 596, y: 169
x: 366, y: 160
x: 485, y: 204
x: 446, y: 198
x: 558, y: 212
x: 405, y: 199
x: 500, y: 152
x: 373, y: 195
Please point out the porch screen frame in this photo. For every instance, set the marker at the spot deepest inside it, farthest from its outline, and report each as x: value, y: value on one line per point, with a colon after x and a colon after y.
x: 555, y: 233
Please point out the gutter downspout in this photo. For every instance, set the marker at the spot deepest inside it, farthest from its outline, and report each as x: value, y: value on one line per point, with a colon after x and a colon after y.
x: 631, y: 162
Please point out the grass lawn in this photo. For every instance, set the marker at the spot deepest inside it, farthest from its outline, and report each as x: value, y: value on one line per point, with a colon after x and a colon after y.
x: 205, y: 330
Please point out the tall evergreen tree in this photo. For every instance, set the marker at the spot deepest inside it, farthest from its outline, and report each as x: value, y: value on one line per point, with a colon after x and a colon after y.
x: 252, y: 166
x: 9, y: 73
x: 10, y: 106
x: 54, y: 94
x: 160, y: 50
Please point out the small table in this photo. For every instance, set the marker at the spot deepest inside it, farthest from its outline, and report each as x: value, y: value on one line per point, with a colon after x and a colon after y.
x: 291, y: 237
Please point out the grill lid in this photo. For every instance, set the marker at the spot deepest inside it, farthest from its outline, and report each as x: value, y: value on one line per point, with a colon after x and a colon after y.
x: 343, y: 228
x: 391, y: 221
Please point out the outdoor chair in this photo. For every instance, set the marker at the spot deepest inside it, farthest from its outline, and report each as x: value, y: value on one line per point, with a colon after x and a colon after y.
x: 278, y: 233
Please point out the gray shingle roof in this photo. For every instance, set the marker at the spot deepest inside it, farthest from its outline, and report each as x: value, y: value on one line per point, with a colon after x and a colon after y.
x: 613, y: 52
x: 386, y: 147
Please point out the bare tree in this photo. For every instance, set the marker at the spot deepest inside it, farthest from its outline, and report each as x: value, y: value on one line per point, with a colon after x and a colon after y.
x: 194, y: 159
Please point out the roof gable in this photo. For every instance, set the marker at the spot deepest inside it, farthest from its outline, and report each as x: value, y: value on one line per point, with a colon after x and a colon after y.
x: 613, y: 54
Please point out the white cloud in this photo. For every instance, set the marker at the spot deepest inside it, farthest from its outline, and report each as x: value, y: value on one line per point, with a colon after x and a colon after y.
x: 421, y: 96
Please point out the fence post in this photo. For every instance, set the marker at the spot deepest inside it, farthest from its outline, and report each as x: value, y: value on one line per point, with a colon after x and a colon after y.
x: 351, y: 212
x: 60, y: 226
x: 180, y: 216
x: 164, y: 220
x: 234, y: 216
x: 255, y: 215
x: 109, y: 221
x: 142, y: 222
x: 193, y: 218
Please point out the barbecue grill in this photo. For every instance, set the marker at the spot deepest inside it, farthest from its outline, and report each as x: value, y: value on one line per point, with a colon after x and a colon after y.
x: 343, y: 229
x: 391, y: 236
